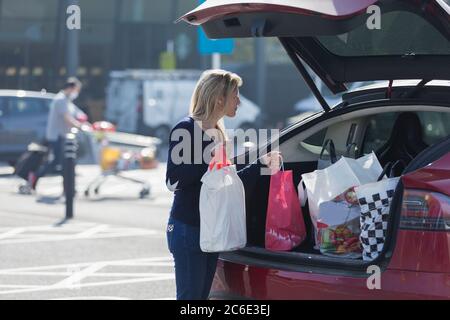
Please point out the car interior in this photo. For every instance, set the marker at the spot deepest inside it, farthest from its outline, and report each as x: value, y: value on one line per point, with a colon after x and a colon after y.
x: 393, y: 133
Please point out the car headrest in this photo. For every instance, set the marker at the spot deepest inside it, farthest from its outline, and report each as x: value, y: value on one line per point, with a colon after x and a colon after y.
x: 408, y: 126
x: 406, y: 139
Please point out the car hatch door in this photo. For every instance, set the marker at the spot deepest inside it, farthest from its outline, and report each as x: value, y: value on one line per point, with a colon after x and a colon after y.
x: 341, y: 41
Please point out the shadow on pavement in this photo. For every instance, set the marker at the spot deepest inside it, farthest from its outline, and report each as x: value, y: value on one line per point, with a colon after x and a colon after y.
x: 114, y: 198
x: 62, y: 222
x: 50, y: 199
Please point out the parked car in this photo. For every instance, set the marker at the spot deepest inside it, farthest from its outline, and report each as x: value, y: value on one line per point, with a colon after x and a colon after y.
x: 337, y: 44
x: 23, y: 119
x: 152, y: 101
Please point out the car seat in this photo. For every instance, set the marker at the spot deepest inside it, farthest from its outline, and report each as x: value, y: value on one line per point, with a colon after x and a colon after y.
x: 405, y: 142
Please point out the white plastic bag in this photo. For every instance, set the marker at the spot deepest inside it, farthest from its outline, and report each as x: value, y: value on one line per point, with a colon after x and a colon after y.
x: 222, y: 211
x: 327, y: 184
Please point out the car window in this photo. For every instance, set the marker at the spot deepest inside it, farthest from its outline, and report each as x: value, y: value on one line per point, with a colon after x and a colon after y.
x: 435, y: 126
x: 316, y: 139
x: 314, y: 143
x: 400, y: 33
x: 20, y: 107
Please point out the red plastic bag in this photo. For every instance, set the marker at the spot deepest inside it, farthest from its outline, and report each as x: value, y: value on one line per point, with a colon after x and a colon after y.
x: 285, y: 227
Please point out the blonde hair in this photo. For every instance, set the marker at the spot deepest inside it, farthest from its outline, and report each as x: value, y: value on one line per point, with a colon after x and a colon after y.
x: 212, y: 85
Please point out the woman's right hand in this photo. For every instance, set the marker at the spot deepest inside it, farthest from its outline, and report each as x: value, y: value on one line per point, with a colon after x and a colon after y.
x: 272, y: 161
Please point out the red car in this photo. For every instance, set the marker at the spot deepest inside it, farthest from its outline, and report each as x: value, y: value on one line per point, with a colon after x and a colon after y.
x: 406, y: 46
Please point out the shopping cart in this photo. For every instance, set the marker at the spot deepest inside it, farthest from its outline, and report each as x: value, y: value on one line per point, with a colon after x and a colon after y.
x: 120, y: 152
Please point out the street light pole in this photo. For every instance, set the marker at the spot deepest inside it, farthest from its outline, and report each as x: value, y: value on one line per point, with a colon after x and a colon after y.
x: 261, y: 72
x: 216, y: 62
x: 72, y: 46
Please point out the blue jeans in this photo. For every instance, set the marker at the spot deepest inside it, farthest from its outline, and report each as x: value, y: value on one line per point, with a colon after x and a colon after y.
x: 194, y: 269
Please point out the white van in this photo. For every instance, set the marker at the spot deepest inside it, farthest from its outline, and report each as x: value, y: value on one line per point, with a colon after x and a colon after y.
x: 152, y: 101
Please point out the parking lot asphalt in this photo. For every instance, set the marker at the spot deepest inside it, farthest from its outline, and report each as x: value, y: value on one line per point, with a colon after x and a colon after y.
x: 114, y: 248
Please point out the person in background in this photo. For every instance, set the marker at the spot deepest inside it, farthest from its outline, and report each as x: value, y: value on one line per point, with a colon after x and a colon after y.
x: 216, y: 95
x: 61, y: 119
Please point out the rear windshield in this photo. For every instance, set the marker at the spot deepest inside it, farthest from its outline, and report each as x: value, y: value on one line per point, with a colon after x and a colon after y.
x: 400, y: 33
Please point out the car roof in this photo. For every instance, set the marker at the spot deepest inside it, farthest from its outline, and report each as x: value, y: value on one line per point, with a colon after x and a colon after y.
x: 402, y: 83
x: 435, y: 90
x: 26, y: 93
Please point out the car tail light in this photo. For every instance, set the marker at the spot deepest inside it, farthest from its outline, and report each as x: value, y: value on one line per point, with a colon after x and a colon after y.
x: 423, y: 210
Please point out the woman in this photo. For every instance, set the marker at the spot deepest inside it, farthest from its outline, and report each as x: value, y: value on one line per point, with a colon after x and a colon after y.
x: 216, y: 95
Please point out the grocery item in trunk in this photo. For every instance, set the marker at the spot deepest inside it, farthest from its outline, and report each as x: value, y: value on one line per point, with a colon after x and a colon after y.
x: 338, y: 227
x: 330, y: 185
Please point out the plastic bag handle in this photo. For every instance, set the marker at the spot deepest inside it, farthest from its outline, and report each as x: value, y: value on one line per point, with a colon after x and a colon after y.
x: 281, y: 162
x: 333, y: 157
x: 390, y: 167
x: 302, y: 193
x: 349, y: 148
x: 224, y: 160
x: 396, y: 163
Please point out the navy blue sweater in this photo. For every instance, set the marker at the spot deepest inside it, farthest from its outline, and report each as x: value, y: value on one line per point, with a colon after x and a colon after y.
x: 184, y: 178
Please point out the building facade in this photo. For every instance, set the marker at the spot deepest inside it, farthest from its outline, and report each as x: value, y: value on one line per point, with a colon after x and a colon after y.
x: 117, y: 35
x: 114, y: 35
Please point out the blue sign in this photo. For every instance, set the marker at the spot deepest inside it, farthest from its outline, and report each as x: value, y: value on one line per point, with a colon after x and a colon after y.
x: 209, y: 46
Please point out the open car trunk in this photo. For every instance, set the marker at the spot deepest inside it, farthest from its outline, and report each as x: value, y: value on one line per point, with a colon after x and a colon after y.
x: 306, y: 253
x: 341, y: 43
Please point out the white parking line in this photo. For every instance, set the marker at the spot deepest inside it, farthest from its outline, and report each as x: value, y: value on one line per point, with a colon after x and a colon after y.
x: 77, y: 277
x: 92, y: 231
x: 34, y: 234
x: 97, y: 274
x: 86, y: 285
x: 93, y: 298
x: 88, y: 270
x: 67, y: 227
x: 11, y: 233
x: 65, y: 238
x: 127, y: 262
x: 17, y: 286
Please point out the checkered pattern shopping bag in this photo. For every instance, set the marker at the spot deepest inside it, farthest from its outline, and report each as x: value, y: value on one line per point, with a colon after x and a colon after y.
x: 374, y: 200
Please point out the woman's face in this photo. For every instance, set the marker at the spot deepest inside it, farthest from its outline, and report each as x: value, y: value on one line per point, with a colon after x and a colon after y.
x: 232, y: 103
